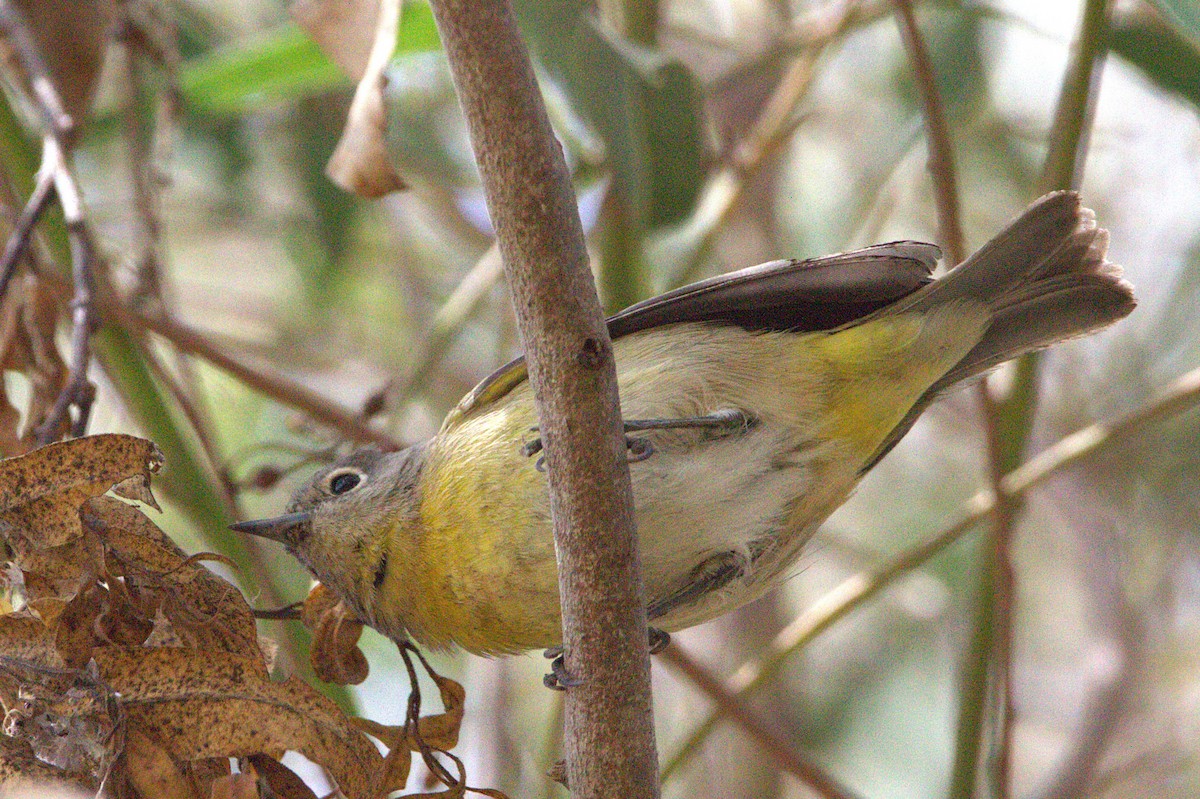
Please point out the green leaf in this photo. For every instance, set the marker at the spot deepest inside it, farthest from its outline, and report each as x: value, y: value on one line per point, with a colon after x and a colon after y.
x: 1165, y: 56
x: 284, y: 65
x: 646, y: 106
x: 1185, y: 14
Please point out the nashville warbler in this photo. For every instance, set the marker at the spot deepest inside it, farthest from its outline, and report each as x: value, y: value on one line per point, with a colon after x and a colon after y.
x: 754, y: 402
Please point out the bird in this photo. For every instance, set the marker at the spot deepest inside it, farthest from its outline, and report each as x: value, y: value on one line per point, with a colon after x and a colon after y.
x: 753, y: 402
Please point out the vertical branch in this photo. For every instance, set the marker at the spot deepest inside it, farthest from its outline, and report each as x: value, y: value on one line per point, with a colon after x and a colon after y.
x: 609, y: 727
x: 987, y: 661
x: 1076, y: 101
x: 937, y: 137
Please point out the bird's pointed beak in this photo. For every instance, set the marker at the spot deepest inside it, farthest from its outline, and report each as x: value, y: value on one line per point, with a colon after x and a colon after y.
x: 286, y: 529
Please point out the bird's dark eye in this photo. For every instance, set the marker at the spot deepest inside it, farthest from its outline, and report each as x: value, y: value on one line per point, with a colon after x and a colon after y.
x: 344, y: 481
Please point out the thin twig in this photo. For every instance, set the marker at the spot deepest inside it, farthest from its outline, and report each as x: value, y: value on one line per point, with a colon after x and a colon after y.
x: 191, y: 341
x: 188, y: 404
x: 1076, y: 102
x: 284, y: 391
x: 286, y: 613
x: 941, y: 150
x: 734, y: 707
x: 990, y: 643
x: 1182, y: 395
x: 15, y: 28
x: 150, y: 291
x: 18, y: 240
x: 56, y: 166
x: 78, y: 391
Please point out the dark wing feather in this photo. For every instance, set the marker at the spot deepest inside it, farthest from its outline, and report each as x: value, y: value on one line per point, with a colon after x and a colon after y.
x: 803, y: 296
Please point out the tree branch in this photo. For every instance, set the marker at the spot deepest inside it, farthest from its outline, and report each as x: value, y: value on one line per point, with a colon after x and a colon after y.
x: 609, y: 736
x: 784, y: 755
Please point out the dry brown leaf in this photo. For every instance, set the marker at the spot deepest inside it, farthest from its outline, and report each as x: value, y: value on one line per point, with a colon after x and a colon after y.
x: 205, y: 704
x: 40, y: 495
x: 55, y: 575
x: 440, y: 730
x: 283, y: 781
x: 437, y: 732
x: 26, y: 638
x: 203, y: 610
x: 28, y: 316
x: 335, y: 655
x: 236, y: 786
x: 344, y: 29
x: 125, y: 619
x: 137, y: 488
x: 40, y: 492
x: 205, y: 773
x: 22, y: 774
x: 152, y: 771
x: 66, y: 716
x: 360, y: 163
x: 75, y: 628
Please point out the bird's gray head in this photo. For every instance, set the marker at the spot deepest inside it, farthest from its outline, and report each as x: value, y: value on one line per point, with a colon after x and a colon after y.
x: 337, y: 525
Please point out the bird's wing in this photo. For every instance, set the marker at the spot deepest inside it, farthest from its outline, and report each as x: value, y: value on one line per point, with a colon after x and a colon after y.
x: 803, y: 296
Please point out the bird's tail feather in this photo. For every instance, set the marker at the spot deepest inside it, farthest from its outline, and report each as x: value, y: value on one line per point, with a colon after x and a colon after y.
x: 1045, y: 279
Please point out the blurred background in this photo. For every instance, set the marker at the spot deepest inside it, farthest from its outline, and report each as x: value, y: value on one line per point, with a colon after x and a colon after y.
x: 704, y: 136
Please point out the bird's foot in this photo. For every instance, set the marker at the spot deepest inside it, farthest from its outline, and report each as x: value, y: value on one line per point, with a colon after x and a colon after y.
x: 725, y: 421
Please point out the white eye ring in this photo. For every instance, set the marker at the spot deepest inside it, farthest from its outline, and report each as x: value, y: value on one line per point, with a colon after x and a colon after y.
x: 345, y: 480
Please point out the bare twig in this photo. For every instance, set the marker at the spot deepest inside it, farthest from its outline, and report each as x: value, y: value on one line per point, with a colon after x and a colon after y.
x: 56, y: 167
x: 733, y: 706
x: 18, y: 240
x: 191, y: 341
x: 190, y: 406
x: 188, y: 340
x: 937, y: 136
x: 609, y: 734
x: 78, y: 391
x: 1077, y: 100
x: 988, y: 657
x: 15, y: 28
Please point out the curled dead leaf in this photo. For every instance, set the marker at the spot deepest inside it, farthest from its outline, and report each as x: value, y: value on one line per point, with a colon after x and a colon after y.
x: 360, y: 163
x: 335, y: 655
x: 23, y: 775
x: 41, y: 491
x: 344, y: 29
x: 360, y: 36
x: 201, y: 609
x: 283, y: 781
x: 27, y: 639
x: 66, y: 716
